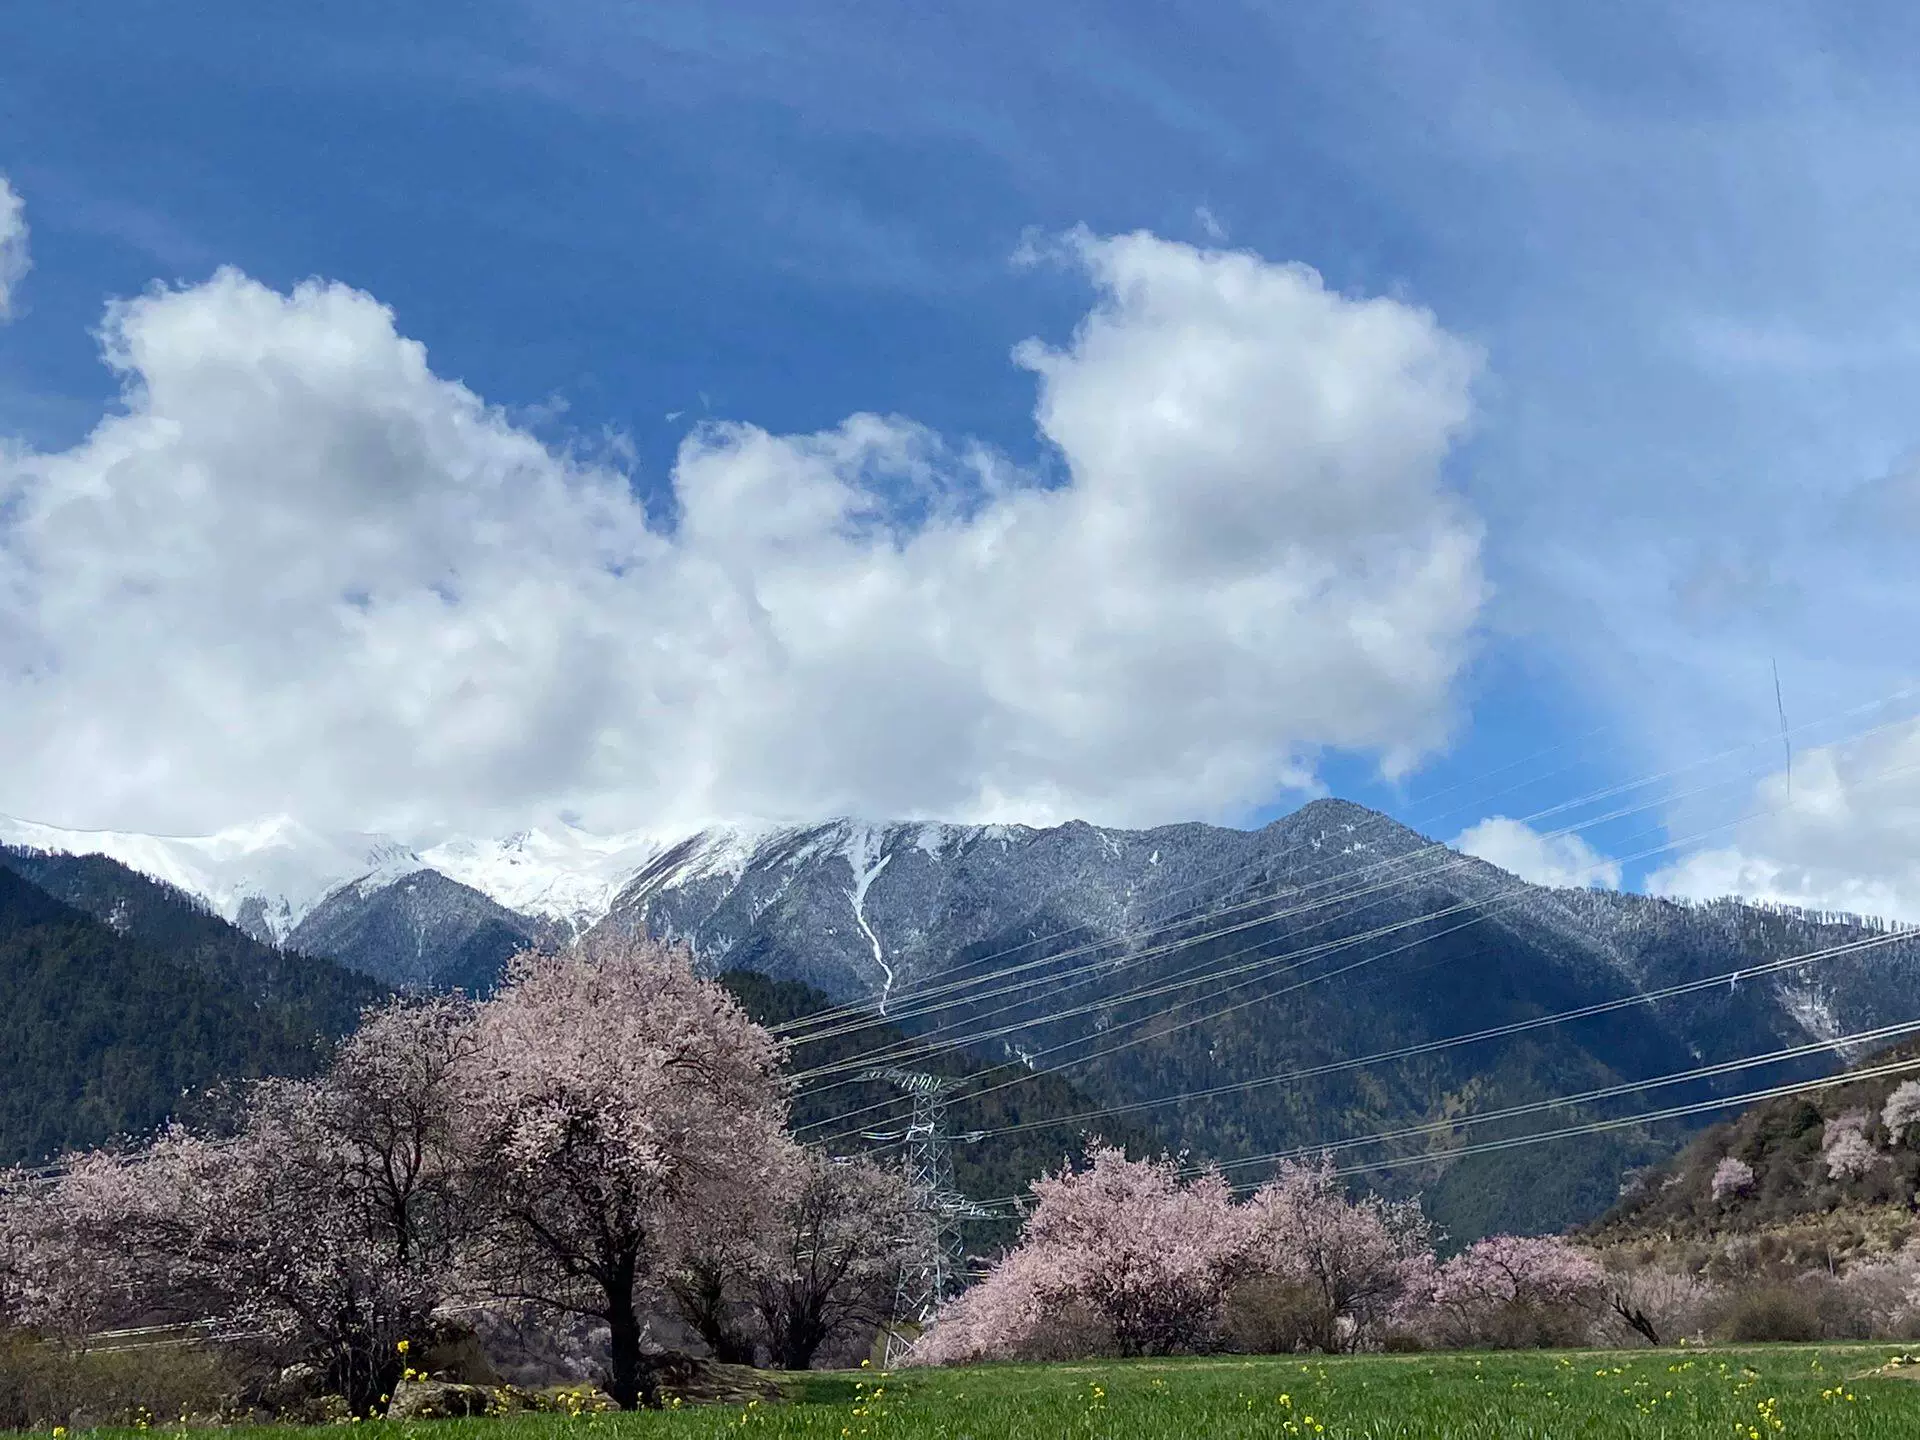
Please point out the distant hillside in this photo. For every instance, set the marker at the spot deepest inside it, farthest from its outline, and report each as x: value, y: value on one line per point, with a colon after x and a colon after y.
x: 420, y: 931
x: 1793, y: 1201
x: 318, y: 994
x: 108, y: 1019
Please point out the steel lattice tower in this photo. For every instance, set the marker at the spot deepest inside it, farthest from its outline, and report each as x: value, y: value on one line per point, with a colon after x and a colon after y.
x: 929, y: 1278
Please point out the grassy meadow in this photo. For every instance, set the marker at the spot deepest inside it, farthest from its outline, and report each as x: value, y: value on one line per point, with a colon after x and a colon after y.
x: 1733, y: 1393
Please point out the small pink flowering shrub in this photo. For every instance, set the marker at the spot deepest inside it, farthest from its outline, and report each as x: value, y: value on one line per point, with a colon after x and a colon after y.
x: 1731, y: 1179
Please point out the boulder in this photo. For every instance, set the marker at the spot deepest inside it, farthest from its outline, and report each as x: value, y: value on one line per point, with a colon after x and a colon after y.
x: 438, y: 1400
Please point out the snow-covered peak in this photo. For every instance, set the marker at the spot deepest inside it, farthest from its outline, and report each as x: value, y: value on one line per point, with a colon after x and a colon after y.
x: 557, y: 872
x: 277, y: 862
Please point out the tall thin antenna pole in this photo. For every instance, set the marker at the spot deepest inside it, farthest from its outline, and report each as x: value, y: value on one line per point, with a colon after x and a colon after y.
x: 1781, y: 709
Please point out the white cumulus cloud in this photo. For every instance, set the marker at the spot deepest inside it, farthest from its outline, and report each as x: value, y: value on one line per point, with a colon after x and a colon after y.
x: 1562, y: 861
x: 1843, y: 834
x: 299, y: 572
x: 14, y: 260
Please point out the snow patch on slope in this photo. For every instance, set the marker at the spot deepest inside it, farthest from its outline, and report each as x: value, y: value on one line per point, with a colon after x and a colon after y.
x: 863, y: 846
x: 1813, y: 1012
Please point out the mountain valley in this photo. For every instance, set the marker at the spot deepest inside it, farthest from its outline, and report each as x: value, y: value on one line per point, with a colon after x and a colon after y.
x: 1231, y: 993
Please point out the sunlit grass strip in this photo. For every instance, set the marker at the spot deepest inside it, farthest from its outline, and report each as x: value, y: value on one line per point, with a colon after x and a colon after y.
x: 1735, y: 1394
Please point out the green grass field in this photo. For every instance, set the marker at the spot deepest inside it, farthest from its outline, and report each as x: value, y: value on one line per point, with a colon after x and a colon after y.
x: 1751, y: 1394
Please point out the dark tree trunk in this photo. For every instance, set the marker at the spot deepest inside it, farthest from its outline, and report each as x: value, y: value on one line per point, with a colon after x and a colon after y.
x: 801, y: 1341
x: 705, y: 1305
x: 1637, y: 1318
x: 632, y: 1378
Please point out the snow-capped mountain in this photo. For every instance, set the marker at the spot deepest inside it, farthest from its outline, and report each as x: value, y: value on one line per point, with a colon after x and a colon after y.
x: 559, y: 873
x: 264, y: 877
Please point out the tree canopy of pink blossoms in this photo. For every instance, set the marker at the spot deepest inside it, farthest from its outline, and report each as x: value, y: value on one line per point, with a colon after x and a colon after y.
x: 1511, y: 1289
x: 1152, y: 1255
x: 619, y: 1105
x: 1902, y: 1110
x: 1363, y: 1259
x: 1848, y: 1151
x: 325, y: 1227
x: 832, y: 1257
x: 1731, y: 1177
x: 564, y: 1144
x: 1149, y: 1253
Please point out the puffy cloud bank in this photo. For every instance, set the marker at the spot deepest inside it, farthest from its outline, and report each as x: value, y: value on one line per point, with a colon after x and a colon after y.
x: 1843, y: 835
x: 297, y: 571
x: 14, y: 260
x: 1543, y: 859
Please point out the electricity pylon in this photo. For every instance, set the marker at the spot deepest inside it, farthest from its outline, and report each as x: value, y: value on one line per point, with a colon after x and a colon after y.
x: 928, y: 1278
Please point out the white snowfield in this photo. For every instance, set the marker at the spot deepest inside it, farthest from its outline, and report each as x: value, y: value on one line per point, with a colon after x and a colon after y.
x: 558, y: 872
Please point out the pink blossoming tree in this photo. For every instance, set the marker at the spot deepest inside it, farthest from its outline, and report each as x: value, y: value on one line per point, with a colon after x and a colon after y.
x: 1846, y: 1146
x: 1149, y: 1254
x: 1154, y: 1256
x: 616, y: 1102
x: 1362, y: 1259
x: 1901, y: 1113
x: 829, y: 1263
x: 1732, y: 1178
x: 1515, y: 1290
x: 323, y: 1230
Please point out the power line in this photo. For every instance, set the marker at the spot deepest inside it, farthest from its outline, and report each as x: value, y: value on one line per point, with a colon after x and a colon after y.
x: 933, y: 1041
x: 1672, y: 1112
x: 1519, y: 891
x: 918, y: 1006
x: 924, y: 1043
x: 1494, y: 1032
x: 861, y: 1008
x: 1645, y: 1117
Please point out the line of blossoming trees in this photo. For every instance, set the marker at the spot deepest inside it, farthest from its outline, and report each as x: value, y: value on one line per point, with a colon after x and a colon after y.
x: 1129, y: 1255
x: 607, y: 1138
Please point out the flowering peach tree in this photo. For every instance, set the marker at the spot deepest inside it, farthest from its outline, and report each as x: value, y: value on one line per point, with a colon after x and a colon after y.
x: 1362, y: 1259
x: 323, y: 1229
x: 1511, y: 1290
x: 615, y: 1103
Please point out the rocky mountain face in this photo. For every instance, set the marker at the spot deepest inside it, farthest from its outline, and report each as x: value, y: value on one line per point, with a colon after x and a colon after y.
x: 419, y: 931
x: 1161, y: 970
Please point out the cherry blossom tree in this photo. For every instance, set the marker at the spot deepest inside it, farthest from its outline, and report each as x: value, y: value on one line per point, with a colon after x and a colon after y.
x: 1511, y: 1290
x: 1902, y: 1111
x: 1362, y: 1259
x: 1149, y: 1253
x: 1848, y: 1151
x: 615, y: 1099
x: 391, y: 1103
x: 1731, y: 1178
x: 1002, y: 1317
x: 325, y: 1229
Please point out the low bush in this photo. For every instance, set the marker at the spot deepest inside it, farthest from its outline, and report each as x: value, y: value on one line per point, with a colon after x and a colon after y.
x: 1270, y: 1316
x: 43, y: 1384
x: 1770, y: 1313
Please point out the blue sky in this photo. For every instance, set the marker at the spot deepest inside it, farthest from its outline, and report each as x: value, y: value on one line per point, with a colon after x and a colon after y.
x: 1681, y: 237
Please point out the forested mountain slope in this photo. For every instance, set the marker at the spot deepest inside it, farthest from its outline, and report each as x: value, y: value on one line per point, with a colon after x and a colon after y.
x: 109, y: 1019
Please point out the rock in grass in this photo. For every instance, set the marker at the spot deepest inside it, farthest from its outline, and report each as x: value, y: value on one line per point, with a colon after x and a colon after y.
x: 437, y: 1400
